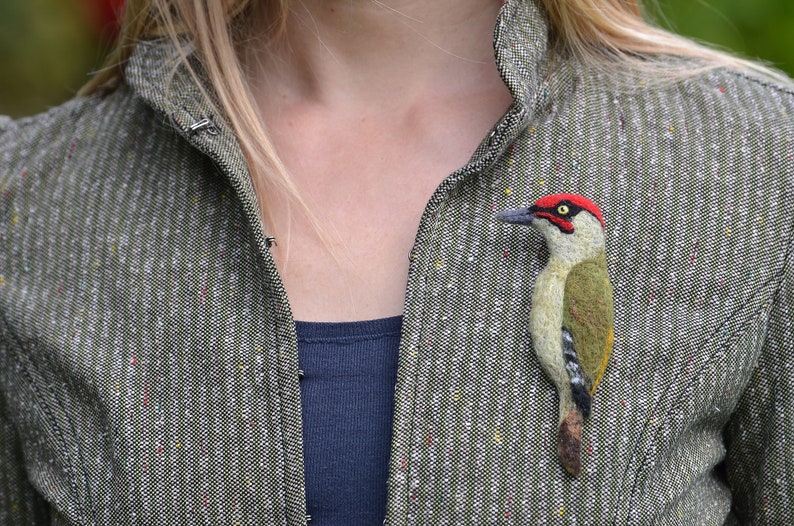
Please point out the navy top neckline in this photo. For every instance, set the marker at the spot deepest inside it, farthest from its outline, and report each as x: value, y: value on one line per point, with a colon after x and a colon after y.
x: 318, y: 331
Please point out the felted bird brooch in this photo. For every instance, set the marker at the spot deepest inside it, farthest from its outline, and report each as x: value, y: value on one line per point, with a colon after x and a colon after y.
x: 572, y: 315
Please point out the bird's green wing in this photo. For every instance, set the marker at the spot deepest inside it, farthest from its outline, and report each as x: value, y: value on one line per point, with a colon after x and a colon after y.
x: 589, y: 316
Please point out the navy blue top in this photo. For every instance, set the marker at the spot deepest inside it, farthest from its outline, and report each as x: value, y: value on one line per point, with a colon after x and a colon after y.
x: 347, y: 397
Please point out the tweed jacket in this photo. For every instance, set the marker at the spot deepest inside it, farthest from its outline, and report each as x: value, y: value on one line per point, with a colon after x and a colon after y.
x: 148, y: 367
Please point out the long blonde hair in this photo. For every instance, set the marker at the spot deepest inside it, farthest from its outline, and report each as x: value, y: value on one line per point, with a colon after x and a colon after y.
x: 600, y: 33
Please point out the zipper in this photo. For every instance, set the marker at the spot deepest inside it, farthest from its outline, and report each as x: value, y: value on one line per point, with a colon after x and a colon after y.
x: 204, y: 134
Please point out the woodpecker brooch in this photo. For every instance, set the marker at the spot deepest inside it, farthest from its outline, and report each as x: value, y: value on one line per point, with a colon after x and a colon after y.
x: 572, y: 316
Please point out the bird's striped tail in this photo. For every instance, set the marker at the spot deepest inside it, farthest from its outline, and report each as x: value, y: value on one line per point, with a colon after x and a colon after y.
x: 581, y: 396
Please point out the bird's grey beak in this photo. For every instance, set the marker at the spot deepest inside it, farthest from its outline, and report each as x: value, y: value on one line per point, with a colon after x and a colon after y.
x: 520, y: 216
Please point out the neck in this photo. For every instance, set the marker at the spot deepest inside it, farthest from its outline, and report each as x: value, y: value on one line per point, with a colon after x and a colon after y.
x: 340, y: 52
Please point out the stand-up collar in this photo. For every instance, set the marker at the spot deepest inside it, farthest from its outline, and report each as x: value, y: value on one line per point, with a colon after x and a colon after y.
x: 521, y: 48
x: 520, y: 45
x: 521, y: 42
x: 537, y: 77
x: 158, y: 75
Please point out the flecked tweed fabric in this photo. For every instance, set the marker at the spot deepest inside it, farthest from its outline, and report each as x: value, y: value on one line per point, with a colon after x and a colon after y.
x: 148, y: 367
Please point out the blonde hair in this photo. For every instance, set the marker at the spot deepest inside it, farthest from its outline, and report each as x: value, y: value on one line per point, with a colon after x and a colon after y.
x: 605, y: 33
x: 600, y: 33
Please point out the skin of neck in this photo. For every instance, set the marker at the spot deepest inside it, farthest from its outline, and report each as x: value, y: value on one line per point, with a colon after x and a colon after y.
x: 370, y: 104
x: 360, y: 52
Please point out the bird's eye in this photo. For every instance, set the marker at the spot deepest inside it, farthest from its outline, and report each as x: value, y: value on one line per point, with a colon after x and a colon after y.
x: 563, y: 210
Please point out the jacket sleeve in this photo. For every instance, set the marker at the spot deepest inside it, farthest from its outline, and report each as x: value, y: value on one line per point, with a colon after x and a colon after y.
x: 20, y: 503
x: 760, y: 436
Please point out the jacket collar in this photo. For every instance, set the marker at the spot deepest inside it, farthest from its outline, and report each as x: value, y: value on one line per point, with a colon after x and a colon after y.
x: 521, y: 41
x: 156, y: 74
x: 539, y: 78
x: 530, y: 71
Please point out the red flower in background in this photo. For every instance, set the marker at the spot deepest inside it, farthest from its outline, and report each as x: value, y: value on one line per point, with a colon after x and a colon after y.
x: 104, y: 16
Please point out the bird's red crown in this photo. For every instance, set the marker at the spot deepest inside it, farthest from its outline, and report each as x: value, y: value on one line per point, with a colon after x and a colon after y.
x: 551, y: 201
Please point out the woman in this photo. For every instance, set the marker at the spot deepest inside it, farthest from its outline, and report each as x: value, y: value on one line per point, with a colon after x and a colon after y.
x: 242, y: 165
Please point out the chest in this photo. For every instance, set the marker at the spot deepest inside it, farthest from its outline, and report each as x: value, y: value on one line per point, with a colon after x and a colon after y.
x: 548, y: 294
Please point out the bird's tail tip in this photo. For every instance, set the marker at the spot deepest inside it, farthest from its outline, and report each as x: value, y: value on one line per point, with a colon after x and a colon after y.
x: 569, y: 442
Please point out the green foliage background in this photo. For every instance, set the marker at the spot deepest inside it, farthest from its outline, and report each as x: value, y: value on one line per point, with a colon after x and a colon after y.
x: 758, y: 29
x: 48, y: 47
